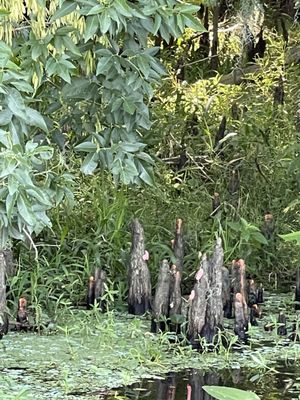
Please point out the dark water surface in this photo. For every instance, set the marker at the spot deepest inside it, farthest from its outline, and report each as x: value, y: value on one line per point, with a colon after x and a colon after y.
x: 281, y: 385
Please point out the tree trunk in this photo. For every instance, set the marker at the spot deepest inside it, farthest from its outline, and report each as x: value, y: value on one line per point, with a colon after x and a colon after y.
x: 198, y: 306
x: 161, y: 302
x: 226, y: 293
x: 176, y: 274
x: 238, y: 278
x: 3, y: 313
x: 260, y: 294
x: 214, y: 309
x: 100, y: 282
x: 175, y: 299
x: 206, y: 311
x: 178, y: 246
x: 241, y: 317
x: 139, y: 295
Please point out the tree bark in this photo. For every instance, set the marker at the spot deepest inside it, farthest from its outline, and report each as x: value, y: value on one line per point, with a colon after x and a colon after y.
x: 206, y: 311
x: 139, y: 295
x: 198, y: 306
x: 161, y: 302
x: 3, y: 313
x: 238, y: 279
x: 226, y: 293
x: 175, y: 299
x: 241, y: 317
x: 178, y: 246
x: 100, y: 282
x: 214, y: 310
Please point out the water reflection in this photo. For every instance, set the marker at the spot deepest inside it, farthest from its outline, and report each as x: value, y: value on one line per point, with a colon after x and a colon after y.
x: 188, y: 385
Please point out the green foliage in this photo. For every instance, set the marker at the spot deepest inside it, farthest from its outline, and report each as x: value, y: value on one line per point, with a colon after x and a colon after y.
x: 227, y: 393
x: 94, y: 72
x: 291, y: 236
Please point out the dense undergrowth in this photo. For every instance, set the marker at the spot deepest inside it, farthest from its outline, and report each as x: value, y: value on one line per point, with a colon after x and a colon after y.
x: 260, y: 145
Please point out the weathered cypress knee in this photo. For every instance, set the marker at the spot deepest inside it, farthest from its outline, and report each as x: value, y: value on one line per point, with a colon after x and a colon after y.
x: 260, y: 294
x: 226, y: 293
x: 100, y: 282
x: 238, y: 278
x: 160, y: 306
x: 175, y: 299
x: 297, y: 291
x: 3, y: 313
x: 214, y: 309
x: 90, y: 293
x: 198, y: 306
x: 241, y: 317
x: 176, y: 274
x: 268, y: 227
x: 281, y: 330
x: 178, y: 245
x: 139, y: 295
x: 252, y: 297
x: 206, y: 310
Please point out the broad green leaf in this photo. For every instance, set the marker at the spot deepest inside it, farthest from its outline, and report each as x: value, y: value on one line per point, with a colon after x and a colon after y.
x: 87, y: 147
x: 15, y: 103
x: 70, y: 45
x: 89, y: 164
x: 145, y: 175
x: 122, y: 8
x: 24, y: 211
x: 129, y: 106
x: 104, y: 21
x: 34, y: 118
x: 5, y: 117
x: 228, y: 393
x: 104, y: 64
x: 65, y: 9
x: 157, y: 23
x: 92, y: 24
x: 259, y: 237
x: 10, y: 204
x: 97, y: 9
x: 291, y: 236
x: 193, y: 22
x: 39, y: 195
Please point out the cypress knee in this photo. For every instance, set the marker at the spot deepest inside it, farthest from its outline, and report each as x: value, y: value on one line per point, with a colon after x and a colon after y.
x: 160, y: 307
x: 139, y: 295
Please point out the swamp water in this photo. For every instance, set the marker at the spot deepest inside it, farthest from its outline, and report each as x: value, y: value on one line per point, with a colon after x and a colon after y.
x: 112, y: 350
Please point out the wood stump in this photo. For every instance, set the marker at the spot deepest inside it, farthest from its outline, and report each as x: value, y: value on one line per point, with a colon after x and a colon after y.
x: 178, y: 245
x: 3, y: 314
x: 176, y: 275
x: 161, y: 302
x: 241, y: 317
x: 238, y: 278
x: 260, y: 294
x: 96, y: 289
x: 100, y: 287
x: 139, y: 295
x: 281, y: 330
x: 206, y: 310
x: 226, y: 293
